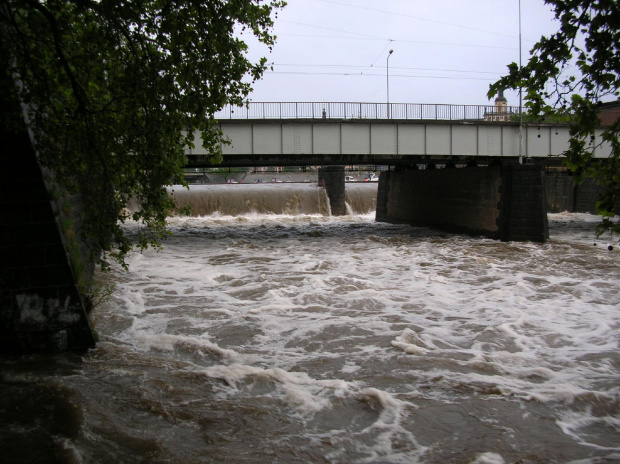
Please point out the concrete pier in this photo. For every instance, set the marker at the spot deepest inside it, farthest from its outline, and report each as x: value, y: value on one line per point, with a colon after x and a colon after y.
x: 331, y: 178
x: 501, y: 203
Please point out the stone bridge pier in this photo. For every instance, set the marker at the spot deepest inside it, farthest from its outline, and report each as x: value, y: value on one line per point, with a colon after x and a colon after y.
x: 506, y: 203
x: 331, y: 178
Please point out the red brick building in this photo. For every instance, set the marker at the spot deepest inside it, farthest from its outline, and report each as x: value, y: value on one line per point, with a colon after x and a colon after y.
x: 609, y: 112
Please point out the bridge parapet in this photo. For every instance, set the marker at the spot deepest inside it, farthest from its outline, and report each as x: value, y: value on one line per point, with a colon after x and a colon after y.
x: 362, y: 110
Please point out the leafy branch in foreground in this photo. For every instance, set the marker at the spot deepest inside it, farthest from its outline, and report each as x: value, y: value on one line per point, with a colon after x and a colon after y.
x: 572, y: 72
x: 114, y: 91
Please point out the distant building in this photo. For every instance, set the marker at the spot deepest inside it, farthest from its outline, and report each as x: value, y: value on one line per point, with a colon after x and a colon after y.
x: 609, y: 112
x: 500, y: 112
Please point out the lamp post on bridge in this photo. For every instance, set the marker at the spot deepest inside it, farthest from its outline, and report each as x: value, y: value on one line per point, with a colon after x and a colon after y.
x: 387, y: 73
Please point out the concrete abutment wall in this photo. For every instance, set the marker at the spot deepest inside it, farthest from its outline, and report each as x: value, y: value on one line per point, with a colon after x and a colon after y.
x: 501, y: 203
x: 41, y: 309
x: 564, y: 195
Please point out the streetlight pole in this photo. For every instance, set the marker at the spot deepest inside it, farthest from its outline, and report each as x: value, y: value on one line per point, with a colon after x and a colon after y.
x: 387, y: 74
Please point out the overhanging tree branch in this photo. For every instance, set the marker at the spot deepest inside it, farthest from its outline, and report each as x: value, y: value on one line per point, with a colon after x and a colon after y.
x: 596, y: 75
x: 78, y: 92
x: 115, y: 91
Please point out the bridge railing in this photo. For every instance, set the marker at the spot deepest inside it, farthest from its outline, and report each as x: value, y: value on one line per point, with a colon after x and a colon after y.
x: 348, y: 110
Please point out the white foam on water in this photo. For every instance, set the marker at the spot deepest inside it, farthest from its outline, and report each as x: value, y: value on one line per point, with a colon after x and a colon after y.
x: 306, y: 397
x: 409, y: 342
x: 581, y: 424
x: 301, y: 392
x: 613, y: 457
x: 166, y: 342
x: 489, y: 458
x: 327, y: 310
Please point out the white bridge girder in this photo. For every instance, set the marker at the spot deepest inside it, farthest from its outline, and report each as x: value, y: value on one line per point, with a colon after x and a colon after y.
x: 415, y: 138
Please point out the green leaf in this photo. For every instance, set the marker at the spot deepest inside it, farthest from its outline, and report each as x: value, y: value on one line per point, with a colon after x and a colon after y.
x: 115, y: 90
x: 565, y: 88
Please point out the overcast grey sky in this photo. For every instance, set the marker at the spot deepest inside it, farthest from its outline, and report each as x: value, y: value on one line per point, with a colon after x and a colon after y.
x: 445, y: 51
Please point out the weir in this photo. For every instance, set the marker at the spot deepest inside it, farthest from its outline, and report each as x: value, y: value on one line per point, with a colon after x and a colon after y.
x: 289, y: 199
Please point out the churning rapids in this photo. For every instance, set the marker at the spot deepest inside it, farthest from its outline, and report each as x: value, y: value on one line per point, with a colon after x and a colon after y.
x: 289, y: 336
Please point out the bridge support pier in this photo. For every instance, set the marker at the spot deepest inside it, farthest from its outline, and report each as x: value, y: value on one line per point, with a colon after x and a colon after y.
x: 331, y: 178
x: 502, y: 203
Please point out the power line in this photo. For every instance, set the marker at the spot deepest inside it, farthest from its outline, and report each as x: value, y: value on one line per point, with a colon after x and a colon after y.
x: 380, y: 75
x: 334, y: 29
x: 373, y: 37
x: 418, y: 18
x: 310, y: 65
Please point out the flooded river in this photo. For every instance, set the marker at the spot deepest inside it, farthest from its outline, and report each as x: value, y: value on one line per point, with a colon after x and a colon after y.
x: 280, y: 334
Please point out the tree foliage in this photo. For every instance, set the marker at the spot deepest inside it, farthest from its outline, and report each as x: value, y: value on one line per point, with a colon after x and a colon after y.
x: 113, y: 91
x: 573, y: 71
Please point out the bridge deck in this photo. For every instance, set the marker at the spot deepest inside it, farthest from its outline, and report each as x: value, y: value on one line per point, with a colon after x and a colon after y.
x: 359, y: 133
